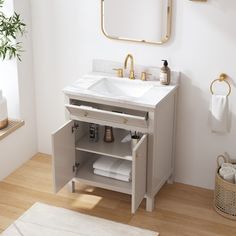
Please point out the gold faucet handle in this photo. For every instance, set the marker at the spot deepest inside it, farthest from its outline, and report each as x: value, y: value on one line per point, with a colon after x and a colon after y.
x: 144, y: 76
x: 119, y: 72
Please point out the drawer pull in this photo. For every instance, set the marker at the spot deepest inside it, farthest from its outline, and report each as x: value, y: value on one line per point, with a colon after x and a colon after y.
x: 125, y: 121
x: 86, y: 114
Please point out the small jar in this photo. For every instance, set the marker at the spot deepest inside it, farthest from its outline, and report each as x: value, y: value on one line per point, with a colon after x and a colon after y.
x: 108, y: 134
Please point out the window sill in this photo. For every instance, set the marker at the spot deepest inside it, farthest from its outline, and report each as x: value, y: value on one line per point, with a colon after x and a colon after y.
x: 12, y: 126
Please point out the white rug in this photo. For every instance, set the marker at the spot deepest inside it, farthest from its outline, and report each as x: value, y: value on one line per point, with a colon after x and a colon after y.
x: 45, y: 220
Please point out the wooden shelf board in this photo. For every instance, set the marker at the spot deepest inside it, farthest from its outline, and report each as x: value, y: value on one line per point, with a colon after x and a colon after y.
x: 12, y: 126
x: 116, y: 149
x: 86, y: 176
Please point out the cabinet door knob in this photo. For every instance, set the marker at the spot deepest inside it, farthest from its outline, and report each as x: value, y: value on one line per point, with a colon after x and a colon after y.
x: 125, y: 120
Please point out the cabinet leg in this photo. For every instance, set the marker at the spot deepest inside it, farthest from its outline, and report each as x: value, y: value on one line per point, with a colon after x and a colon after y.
x: 71, y: 186
x: 150, y: 202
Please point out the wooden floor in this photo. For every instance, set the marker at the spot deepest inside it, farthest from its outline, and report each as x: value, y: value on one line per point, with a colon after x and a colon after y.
x: 180, y: 209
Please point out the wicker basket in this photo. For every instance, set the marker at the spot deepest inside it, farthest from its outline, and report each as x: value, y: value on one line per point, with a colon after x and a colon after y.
x: 225, y: 194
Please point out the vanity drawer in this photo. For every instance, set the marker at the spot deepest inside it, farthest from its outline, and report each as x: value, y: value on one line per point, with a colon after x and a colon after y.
x: 110, y: 118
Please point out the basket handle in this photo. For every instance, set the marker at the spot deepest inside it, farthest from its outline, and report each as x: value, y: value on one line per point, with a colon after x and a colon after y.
x: 220, y: 158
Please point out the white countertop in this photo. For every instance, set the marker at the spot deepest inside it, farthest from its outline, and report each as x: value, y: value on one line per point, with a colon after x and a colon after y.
x: 148, y: 101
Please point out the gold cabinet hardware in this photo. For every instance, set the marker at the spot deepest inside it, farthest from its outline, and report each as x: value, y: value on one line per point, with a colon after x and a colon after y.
x: 144, y: 76
x: 125, y: 121
x: 119, y: 72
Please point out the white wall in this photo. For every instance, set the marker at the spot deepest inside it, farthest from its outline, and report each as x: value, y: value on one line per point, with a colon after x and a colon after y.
x: 67, y: 37
x: 22, y: 144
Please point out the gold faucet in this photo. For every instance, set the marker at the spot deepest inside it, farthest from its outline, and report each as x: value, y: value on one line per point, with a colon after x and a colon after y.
x: 131, y: 73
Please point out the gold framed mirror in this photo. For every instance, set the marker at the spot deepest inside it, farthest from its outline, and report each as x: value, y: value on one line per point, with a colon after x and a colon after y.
x: 144, y: 21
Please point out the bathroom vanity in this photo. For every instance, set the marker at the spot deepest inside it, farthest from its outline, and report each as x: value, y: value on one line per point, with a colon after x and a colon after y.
x: 142, y: 106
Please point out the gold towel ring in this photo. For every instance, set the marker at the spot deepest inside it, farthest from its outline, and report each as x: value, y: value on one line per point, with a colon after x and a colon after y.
x: 222, y: 78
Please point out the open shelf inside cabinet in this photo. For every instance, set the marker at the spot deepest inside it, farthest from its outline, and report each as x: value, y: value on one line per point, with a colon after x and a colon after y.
x: 116, y: 149
x: 85, y: 175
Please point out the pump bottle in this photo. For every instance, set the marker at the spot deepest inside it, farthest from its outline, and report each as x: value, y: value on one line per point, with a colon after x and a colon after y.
x: 165, y: 73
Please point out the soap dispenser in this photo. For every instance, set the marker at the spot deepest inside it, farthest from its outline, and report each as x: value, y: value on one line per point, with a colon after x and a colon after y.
x: 3, y: 112
x: 165, y: 73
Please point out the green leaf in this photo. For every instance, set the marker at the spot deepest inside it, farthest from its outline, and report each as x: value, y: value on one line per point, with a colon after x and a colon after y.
x: 10, y: 28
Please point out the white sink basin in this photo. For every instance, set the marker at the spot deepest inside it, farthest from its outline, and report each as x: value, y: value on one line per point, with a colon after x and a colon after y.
x: 120, y: 87
x: 99, y: 87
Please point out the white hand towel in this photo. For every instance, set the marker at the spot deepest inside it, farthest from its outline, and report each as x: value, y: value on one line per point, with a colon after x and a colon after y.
x: 219, y: 113
x: 114, y: 165
x: 112, y: 175
x: 228, y: 174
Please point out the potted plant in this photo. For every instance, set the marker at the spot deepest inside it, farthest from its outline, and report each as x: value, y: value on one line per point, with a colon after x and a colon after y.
x: 10, y: 28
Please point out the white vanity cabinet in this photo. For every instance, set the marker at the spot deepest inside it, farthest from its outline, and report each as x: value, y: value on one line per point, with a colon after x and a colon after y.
x: 152, y: 158
x: 74, y: 154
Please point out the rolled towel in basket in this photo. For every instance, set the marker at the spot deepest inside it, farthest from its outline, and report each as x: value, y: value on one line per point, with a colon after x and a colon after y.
x: 226, y: 164
x: 228, y: 173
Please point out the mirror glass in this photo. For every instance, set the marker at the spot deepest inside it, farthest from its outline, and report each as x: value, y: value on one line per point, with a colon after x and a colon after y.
x: 137, y: 20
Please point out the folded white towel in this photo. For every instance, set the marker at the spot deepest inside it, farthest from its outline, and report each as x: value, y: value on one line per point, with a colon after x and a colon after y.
x: 112, y: 175
x: 228, y: 174
x: 219, y: 114
x: 114, y: 165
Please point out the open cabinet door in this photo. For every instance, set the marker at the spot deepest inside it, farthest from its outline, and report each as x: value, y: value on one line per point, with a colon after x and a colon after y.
x: 63, y: 147
x: 139, y: 173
